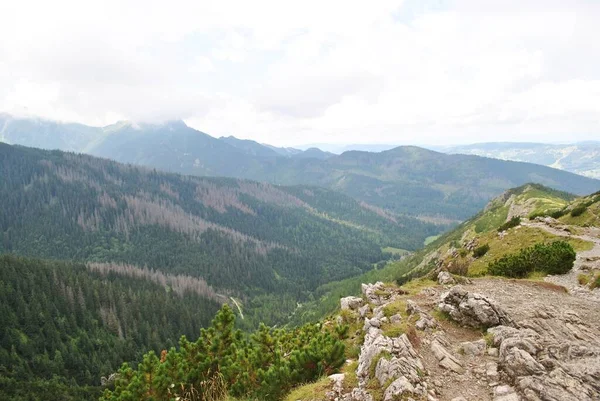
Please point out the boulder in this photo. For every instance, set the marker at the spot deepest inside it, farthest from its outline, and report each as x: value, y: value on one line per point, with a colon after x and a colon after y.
x: 377, y: 294
x: 351, y: 303
x: 445, y: 278
x: 473, y: 348
x: 359, y: 394
x: 397, y: 318
x: 364, y: 310
x: 472, y: 309
x: 398, y: 388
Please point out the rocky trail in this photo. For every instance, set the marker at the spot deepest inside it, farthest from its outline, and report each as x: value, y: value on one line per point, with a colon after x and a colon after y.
x: 586, y: 262
x: 488, y: 339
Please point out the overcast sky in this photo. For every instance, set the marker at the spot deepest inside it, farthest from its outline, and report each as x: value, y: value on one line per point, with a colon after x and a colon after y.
x: 293, y: 72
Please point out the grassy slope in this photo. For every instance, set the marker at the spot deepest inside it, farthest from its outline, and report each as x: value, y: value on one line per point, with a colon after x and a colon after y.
x: 529, y: 198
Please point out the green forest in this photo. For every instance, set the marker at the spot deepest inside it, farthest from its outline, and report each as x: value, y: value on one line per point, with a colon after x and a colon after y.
x: 64, y: 327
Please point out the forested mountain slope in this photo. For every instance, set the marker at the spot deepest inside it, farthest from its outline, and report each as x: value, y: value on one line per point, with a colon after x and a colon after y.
x: 404, y: 180
x: 63, y: 326
x: 269, y: 246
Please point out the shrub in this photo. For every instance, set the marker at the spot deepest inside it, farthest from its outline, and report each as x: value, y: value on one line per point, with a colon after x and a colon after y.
x: 458, y: 266
x: 515, y: 221
x: 463, y: 252
x: 514, y: 266
x: 555, y: 258
x: 583, y: 279
x: 596, y: 282
x: 578, y: 211
x: 481, y: 250
x: 558, y: 214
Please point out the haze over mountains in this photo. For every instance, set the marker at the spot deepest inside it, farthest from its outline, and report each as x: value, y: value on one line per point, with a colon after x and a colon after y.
x: 403, y: 180
x: 581, y: 158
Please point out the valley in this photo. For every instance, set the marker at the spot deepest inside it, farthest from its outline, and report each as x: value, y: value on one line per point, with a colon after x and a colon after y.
x: 134, y: 258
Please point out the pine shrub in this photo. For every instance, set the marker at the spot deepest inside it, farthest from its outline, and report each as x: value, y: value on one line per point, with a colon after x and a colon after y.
x: 481, y: 250
x: 579, y: 210
x: 515, y: 221
x: 555, y: 258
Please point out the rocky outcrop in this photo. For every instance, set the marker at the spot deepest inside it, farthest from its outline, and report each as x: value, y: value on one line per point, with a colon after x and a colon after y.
x: 542, y: 345
x: 445, y: 278
x: 445, y: 358
x: 472, y: 309
x: 550, y: 360
x: 473, y: 348
x: 351, y: 303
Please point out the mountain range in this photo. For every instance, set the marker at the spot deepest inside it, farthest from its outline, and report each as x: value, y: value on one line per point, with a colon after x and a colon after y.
x: 404, y: 180
x: 580, y: 158
x: 243, y: 238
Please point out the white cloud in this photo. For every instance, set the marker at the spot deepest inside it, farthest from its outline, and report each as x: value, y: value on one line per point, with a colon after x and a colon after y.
x: 313, y: 71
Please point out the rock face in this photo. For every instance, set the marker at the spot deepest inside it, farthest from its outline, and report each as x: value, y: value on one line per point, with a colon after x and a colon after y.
x: 472, y: 309
x: 544, y: 347
x: 548, y: 362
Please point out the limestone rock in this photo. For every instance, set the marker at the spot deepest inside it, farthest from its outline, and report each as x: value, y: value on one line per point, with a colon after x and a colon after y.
x: 397, y: 389
x: 359, y: 394
x: 378, y: 294
x: 445, y: 278
x: 474, y: 348
x: 364, y: 310
x: 444, y: 357
x: 338, y: 383
x: 351, y: 303
x: 472, y: 309
x: 397, y: 318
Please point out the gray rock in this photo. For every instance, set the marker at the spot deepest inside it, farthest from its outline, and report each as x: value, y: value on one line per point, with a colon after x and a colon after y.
x: 548, y: 358
x: 472, y: 309
x: 338, y: 383
x: 445, y: 278
x: 412, y: 307
x: 351, y: 303
x: 491, y: 371
x: 397, y: 318
x: 359, y: 394
x: 445, y: 358
x: 474, y: 348
x: 364, y: 310
x: 375, y: 293
x: 505, y: 393
x: 397, y: 389
x: 426, y: 322
x: 459, y: 399
x: 492, y: 352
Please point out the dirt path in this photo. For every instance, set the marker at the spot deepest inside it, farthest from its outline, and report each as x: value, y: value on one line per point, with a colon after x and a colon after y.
x: 586, y: 260
x: 543, y: 308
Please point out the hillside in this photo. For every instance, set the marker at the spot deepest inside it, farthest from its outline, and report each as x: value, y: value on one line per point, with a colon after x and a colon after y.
x: 268, y: 246
x: 447, y: 327
x: 454, y: 250
x: 581, y: 158
x: 444, y: 329
x: 404, y: 180
x: 64, y: 326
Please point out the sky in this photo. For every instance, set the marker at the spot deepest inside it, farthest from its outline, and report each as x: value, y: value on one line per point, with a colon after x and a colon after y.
x: 311, y: 71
